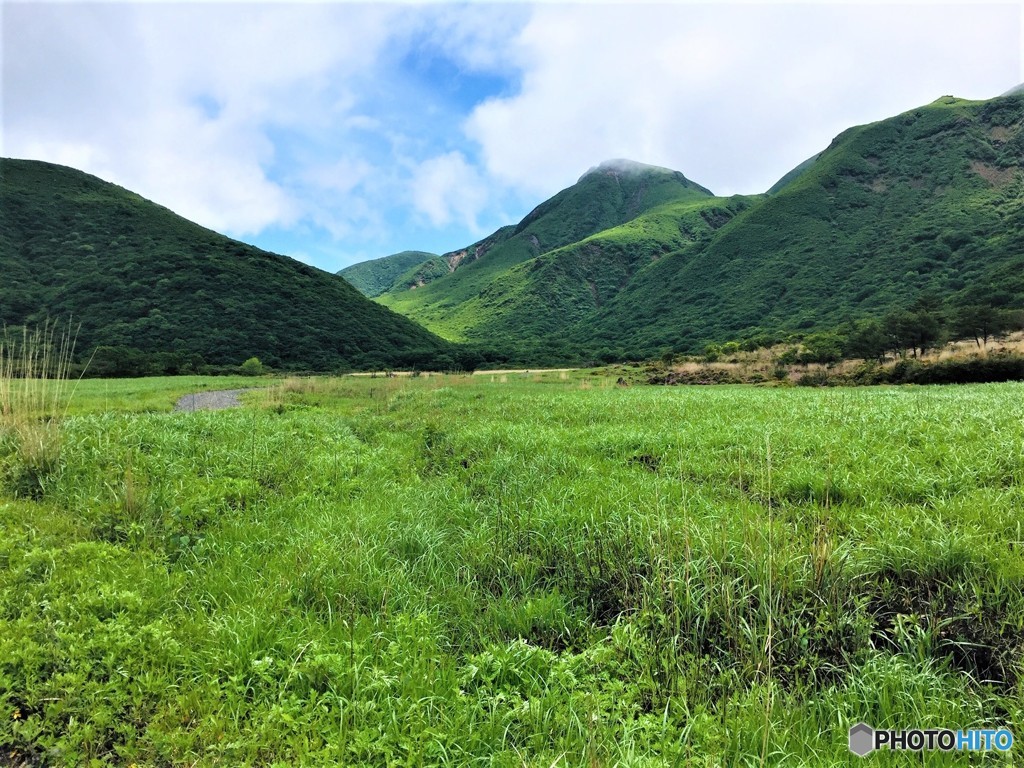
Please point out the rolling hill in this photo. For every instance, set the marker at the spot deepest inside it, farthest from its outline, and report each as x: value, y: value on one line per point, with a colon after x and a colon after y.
x: 636, y: 260
x: 139, y: 277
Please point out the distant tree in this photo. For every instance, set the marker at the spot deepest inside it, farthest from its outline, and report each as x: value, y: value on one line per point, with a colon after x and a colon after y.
x: 789, y: 356
x: 823, y: 348
x: 468, y: 359
x: 730, y: 348
x: 192, y: 363
x: 981, y: 322
x: 445, y: 364
x: 898, y: 334
x: 109, y: 361
x: 712, y: 352
x: 251, y: 367
x: 918, y: 329
x: 867, y: 340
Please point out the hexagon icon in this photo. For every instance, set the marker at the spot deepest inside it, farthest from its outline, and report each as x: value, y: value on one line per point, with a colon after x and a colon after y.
x: 862, y: 739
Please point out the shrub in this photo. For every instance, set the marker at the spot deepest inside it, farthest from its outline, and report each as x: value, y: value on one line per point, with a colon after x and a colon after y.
x: 975, y: 370
x: 818, y: 378
x: 251, y: 367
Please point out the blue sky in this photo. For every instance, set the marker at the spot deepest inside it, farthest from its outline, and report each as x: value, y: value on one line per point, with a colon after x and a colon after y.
x: 337, y: 132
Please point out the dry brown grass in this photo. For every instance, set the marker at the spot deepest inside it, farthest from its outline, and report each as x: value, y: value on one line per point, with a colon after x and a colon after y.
x: 1013, y: 342
x: 763, y: 363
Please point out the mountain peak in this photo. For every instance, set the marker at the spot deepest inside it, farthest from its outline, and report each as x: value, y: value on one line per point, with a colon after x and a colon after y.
x: 1017, y: 90
x: 624, y: 167
x: 631, y: 170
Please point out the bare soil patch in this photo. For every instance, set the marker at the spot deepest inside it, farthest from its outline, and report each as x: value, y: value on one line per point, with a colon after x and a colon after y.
x: 210, y: 401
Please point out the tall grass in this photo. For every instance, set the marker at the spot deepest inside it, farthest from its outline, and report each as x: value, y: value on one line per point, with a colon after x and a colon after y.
x: 34, y: 394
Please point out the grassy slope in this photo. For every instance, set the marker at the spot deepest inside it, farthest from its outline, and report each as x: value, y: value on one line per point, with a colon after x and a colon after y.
x: 370, y: 572
x: 138, y: 275
x: 793, y: 175
x: 605, y: 197
x: 931, y: 200
x: 372, y: 278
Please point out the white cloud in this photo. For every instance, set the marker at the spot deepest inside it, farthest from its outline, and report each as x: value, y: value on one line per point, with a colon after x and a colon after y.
x: 341, y: 196
x: 295, y: 119
x: 479, y: 36
x: 180, y: 102
x: 447, y: 188
x: 341, y: 176
x: 732, y: 95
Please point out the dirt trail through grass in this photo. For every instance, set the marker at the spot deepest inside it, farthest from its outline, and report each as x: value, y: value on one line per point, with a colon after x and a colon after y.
x: 210, y: 401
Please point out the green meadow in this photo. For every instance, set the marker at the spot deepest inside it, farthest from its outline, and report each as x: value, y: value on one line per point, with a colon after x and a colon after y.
x: 509, y: 570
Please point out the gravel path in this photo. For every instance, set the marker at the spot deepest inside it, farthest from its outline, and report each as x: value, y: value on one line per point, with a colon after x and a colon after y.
x: 210, y: 401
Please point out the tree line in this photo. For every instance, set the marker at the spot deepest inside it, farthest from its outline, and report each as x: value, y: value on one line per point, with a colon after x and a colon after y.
x: 912, y: 331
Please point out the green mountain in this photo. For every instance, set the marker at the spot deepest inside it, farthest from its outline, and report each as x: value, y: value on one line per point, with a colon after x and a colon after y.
x: 634, y: 260
x: 458, y: 305
x: 930, y: 202
x: 137, y: 276
x: 629, y: 261
x: 372, y: 278
x: 546, y: 296
x: 424, y: 272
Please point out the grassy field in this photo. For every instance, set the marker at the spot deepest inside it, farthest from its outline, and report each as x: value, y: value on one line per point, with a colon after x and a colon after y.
x: 509, y: 570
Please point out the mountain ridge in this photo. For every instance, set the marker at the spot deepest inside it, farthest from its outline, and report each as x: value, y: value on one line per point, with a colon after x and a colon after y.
x: 632, y: 260
x: 929, y: 200
x: 604, y: 197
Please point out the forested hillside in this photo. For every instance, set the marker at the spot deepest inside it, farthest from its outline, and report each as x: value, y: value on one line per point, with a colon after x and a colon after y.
x: 144, y: 281
x: 921, y: 213
x: 927, y: 203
